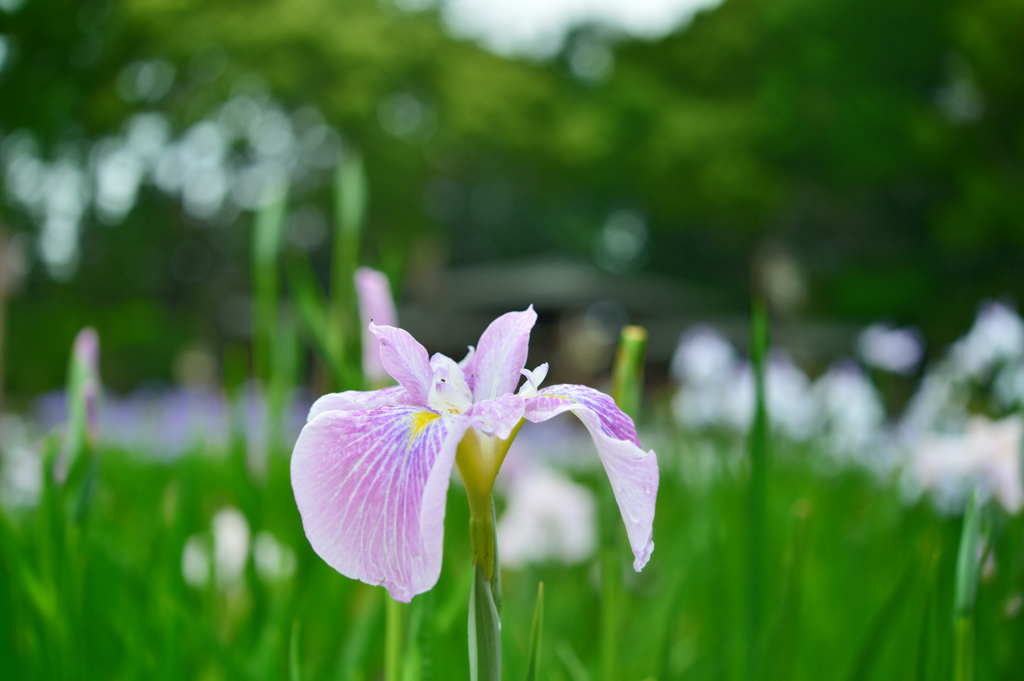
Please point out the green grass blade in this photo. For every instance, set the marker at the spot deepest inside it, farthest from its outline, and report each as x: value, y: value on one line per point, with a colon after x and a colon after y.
x: 311, y: 308
x: 569, y: 658
x: 533, y: 659
x: 882, y: 624
x: 758, y: 448
x: 924, y: 640
x: 268, y: 232
x: 967, y: 567
x: 967, y: 558
x: 294, y: 666
x: 350, y: 196
x: 361, y: 632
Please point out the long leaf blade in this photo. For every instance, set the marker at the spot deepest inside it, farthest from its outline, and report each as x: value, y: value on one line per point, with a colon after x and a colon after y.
x: 533, y: 659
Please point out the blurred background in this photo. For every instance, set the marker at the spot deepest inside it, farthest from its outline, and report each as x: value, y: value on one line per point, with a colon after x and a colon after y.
x: 853, y: 162
x: 857, y: 165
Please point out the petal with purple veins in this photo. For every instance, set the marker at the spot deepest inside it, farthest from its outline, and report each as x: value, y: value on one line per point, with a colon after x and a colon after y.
x: 501, y: 354
x: 632, y: 472
x: 371, y: 488
x: 405, y: 359
x: 557, y: 399
x: 351, y: 400
x: 497, y: 417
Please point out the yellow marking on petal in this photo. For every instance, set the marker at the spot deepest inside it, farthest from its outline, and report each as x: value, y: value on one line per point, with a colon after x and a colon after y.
x: 420, y: 420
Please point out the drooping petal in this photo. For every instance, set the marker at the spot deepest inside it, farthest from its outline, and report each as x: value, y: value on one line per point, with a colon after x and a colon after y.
x: 405, y: 359
x: 501, y: 354
x: 351, y: 400
x: 371, y: 488
x: 557, y: 399
x: 376, y: 304
x: 499, y: 416
x: 632, y: 472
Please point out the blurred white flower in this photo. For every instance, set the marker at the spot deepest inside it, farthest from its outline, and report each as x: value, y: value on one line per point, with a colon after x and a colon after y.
x: 853, y: 416
x: 702, y: 356
x: 274, y: 561
x: 230, y: 545
x: 939, y: 405
x: 890, y: 349
x: 21, y: 466
x: 195, y: 562
x: 717, y: 391
x: 986, y: 455
x: 1008, y: 387
x: 792, y: 409
x: 548, y: 518
x: 997, y: 336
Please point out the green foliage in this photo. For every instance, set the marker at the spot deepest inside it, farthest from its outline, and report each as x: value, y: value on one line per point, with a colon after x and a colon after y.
x: 857, y: 585
x: 536, y: 635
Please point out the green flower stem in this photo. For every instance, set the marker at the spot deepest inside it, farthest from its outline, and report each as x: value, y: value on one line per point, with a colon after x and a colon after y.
x: 478, y: 459
x: 627, y: 391
x: 484, y: 597
x: 484, y: 630
x: 392, y: 640
x: 758, y: 446
x: 966, y: 592
x: 628, y: 372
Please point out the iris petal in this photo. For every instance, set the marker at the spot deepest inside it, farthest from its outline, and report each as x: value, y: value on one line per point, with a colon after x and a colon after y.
x: 371, y: 488
x: 405, y: 359
x: 632, y: 472
x: 501, y: 355
x: 497, y: 417
x: 351, y: 400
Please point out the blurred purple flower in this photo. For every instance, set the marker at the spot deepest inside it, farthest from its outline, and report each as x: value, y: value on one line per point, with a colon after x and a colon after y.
x: 890, y: 349
x: 378, y: 306
x: 169, y: 423
x: 370, y: 470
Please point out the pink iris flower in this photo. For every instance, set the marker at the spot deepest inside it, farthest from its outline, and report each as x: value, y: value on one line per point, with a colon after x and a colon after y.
x: 86, y: 354
x: 375, y: 305
x: 370, y: 470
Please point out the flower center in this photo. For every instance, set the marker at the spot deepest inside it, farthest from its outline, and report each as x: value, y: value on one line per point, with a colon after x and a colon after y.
x: 449, y: 392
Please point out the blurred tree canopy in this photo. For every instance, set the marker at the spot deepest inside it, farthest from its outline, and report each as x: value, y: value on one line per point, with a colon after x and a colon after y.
x: 878, y: 144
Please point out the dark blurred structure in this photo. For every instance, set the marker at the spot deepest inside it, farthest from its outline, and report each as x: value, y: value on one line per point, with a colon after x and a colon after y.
x: 851, y: 160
